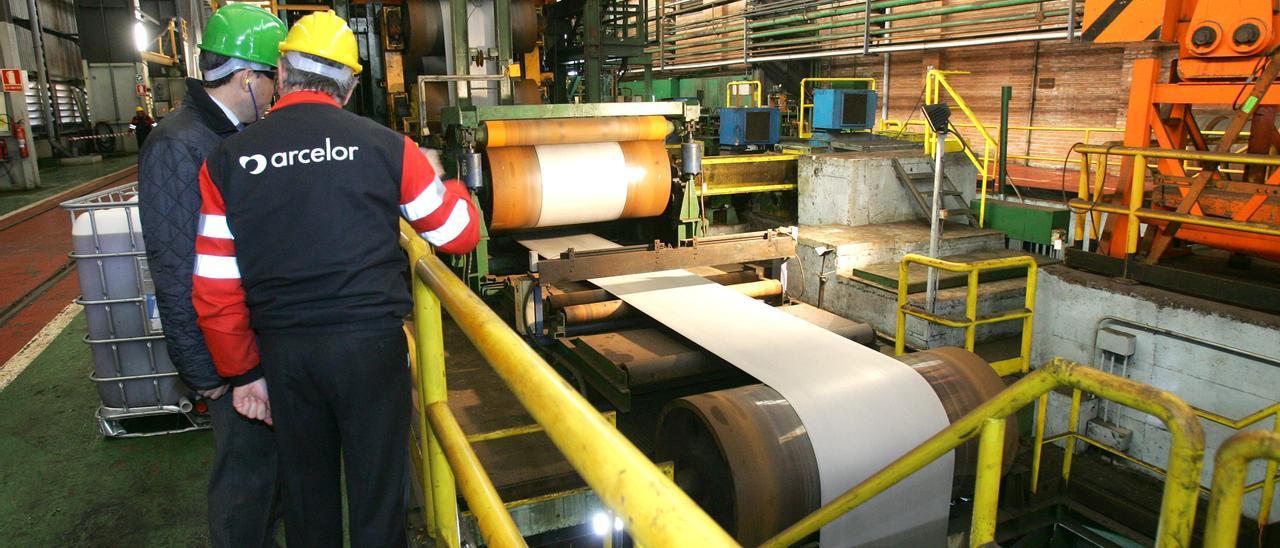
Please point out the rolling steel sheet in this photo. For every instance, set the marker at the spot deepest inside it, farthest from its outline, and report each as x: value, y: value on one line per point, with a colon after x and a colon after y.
x: 836, y: 387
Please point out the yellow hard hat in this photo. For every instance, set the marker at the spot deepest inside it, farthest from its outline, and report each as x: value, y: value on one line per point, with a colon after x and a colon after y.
x: 326, y: 35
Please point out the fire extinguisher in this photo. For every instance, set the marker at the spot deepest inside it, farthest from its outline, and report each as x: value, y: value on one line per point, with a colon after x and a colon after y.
x: 20, y: 133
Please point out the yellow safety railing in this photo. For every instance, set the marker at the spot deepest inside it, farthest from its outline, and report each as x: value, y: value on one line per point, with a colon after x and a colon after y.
x: 653, y: 509
x: 1229, y: 470
x: 971, y: 321
x: 1186, y: 451
x: 805, y: 129
x: 1267, y: 484
x: 1086, y: 135
x: 935, y: 83
x: 1088, y: 200
x: 755, y: 85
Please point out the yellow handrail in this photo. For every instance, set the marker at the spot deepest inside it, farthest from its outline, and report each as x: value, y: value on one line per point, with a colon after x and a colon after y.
x: 1087, y: 203
x: 1186, y: 450
x: 935, y: 83
x: 805, y: 129
x: 496, y: 526
x: 755, y: 84
x: 1229, y: 470
x: 653, y: 509
x: 971, y: 321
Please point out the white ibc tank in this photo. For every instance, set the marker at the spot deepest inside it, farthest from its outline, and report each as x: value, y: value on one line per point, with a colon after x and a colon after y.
x: 131, y: 364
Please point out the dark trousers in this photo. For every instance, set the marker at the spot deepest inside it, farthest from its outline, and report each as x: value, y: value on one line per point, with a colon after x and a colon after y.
x: 243, y: 493
x: 341, y: 398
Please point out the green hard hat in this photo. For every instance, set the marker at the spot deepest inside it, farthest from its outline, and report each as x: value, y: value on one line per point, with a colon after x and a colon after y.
x: 244, y: 31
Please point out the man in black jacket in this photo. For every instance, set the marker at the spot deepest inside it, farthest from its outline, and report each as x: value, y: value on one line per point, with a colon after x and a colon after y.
x: 238, y: 57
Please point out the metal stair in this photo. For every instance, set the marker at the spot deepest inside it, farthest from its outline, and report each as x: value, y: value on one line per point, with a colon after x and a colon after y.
x: 920, y: 186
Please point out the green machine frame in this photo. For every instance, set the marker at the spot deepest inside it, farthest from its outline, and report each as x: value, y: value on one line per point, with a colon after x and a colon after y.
x: 464, y: 134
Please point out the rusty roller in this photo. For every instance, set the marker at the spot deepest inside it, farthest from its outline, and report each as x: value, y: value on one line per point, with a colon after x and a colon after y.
x: 612, y: 310
x: 744, y: 455
x: 563, y: 131
x: 573, y: 171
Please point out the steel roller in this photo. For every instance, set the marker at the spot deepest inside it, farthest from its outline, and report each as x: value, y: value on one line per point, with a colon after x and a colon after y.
x: 744, y: 455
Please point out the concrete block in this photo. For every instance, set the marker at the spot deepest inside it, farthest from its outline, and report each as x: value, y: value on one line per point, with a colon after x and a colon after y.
x: 861, y: 188
x: 1111, y: 435
x: 1069, y: 305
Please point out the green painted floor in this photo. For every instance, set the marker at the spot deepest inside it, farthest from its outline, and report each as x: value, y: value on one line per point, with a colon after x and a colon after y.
x: 63, y: 484
x: 55, y: 179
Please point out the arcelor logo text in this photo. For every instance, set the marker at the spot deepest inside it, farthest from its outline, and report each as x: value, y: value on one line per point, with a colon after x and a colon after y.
x: 257, y: 163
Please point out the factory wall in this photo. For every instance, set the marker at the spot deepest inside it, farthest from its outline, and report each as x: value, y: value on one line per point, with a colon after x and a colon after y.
x: 62, y: 53
x: 1055, y: 83
x: 1069, y: 303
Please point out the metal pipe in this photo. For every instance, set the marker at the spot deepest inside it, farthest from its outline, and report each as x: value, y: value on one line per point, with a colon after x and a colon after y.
x: 935, y: 220
x: 496, y: 526
x: 899, y: 16
x: 1177, y: 154
x: 654, y: 509
x: 1238, y: 352
x: 833, y: 12
x: 1161, y: 215
x: 46, y: 92
x: 1230, y: 467
x: 1186, y: 450
x: 617, y: 309
x: 891, y: 48
x: 895, y: 30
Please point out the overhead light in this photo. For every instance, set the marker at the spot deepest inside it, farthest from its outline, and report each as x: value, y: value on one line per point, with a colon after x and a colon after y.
x: 140, y: 40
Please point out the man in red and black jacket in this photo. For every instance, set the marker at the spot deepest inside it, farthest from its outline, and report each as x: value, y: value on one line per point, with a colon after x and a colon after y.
x: 298, y: 262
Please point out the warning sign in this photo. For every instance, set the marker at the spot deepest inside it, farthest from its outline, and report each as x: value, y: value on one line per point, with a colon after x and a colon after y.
x: 12, y: 80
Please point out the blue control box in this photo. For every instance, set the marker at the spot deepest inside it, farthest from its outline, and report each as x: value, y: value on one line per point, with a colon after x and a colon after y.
x: 839, y: 109
x: 741, y: 126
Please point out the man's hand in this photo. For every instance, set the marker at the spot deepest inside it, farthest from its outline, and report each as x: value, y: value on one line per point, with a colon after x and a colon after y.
x: 214, y: 393
x: 251, y: 400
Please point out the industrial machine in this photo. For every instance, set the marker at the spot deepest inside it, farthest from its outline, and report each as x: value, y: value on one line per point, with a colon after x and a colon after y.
x: 742, y: 127
x: 844, y: 109
x: 586, y: 205
x: 1206, y: 189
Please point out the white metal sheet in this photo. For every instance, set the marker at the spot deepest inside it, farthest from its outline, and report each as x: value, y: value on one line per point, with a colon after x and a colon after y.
x: 582, y: 183
x: 862, y: 409
x: 550, y: 246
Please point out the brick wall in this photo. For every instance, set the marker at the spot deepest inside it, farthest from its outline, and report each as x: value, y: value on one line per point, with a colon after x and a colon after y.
x: 1071, y: 85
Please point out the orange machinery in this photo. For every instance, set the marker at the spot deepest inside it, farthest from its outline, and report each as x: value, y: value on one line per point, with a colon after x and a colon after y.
x: 1226, y: 54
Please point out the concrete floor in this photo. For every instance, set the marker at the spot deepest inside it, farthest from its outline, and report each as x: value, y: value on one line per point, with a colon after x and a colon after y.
x: 55, y: 179
x: 63, y: 484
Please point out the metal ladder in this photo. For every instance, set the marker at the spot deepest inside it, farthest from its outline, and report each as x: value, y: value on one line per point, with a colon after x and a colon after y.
x: 920, y: 186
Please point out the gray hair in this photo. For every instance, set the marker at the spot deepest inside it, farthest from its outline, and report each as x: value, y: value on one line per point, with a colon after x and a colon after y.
x: 337, y: 82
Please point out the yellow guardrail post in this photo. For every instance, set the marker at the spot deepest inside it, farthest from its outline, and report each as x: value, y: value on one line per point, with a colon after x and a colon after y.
x: 1136, y: 192
x: 1037, y: 451
x: 1073, y: 426
x: 1229, y: 470
x: 1186, y: 450
x: 429, y: 335
x: 496, y: 526
x: 986, y: 490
